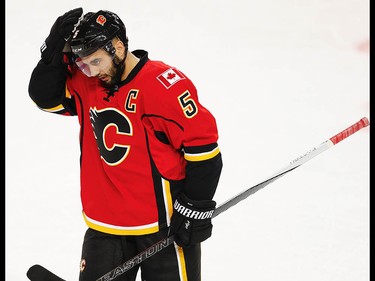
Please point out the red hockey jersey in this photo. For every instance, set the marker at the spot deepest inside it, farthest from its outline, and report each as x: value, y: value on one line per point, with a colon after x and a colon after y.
x: 136, y: 142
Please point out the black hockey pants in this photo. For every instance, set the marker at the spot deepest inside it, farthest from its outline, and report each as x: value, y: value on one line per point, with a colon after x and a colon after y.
x: 103, y: 252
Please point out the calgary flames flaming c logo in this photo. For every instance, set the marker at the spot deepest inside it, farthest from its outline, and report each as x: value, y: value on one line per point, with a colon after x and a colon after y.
x: 101, y: 19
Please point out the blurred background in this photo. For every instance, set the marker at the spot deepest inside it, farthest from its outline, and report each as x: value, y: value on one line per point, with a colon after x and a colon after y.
x: 280, y: 76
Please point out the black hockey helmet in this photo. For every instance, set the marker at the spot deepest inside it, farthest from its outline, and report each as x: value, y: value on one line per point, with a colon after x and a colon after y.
x: 95, y: 31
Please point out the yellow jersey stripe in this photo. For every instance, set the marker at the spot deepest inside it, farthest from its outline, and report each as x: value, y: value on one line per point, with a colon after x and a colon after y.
x: 202, y: 156
x: 167, y: 199
x: 116, y: 230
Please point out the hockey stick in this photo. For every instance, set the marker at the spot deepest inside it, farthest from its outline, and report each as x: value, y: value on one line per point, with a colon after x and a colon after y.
x: 40, y: 273
x: 160, y: 245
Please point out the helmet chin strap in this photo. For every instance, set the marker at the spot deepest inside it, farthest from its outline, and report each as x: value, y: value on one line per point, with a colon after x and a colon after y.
x: 120, y: 68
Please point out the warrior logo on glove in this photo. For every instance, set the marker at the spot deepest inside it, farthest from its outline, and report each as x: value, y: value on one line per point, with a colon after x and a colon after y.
x: 191, y: 220
x: 197, y: 215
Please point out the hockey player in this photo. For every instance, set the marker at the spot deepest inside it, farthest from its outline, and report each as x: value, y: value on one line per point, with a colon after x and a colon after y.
x: 150, y: 161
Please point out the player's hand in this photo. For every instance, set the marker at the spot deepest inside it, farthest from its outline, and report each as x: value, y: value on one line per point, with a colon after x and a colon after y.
x: 60, y: 33
x: 191, y: 220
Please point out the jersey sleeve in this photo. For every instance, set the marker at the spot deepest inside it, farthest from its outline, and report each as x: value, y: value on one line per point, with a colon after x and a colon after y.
x: 48, y: 89
x: 190, y: 128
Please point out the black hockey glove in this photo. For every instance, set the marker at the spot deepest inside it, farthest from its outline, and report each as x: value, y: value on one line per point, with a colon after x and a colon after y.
x: 61, y: 31
x: 191, y: 220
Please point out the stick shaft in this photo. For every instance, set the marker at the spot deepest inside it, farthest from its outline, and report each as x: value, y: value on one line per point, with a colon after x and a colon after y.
x: 294, y: 164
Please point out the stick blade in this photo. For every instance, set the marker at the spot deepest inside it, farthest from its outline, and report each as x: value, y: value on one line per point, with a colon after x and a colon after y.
x: 40, y: 273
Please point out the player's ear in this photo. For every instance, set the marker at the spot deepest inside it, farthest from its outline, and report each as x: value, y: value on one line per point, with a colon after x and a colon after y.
x: 119, y: 46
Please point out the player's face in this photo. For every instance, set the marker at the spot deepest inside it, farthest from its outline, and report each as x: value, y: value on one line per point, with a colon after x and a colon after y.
x: 99, y: 64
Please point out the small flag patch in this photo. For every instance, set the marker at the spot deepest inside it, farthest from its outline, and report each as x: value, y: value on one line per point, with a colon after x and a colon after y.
x: 170, y: 77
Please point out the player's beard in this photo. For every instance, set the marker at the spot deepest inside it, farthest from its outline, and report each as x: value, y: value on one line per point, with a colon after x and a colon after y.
x: 115, y: 72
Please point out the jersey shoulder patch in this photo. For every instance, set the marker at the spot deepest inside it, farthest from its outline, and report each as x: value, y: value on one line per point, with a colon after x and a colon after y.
x: 170, y: 77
